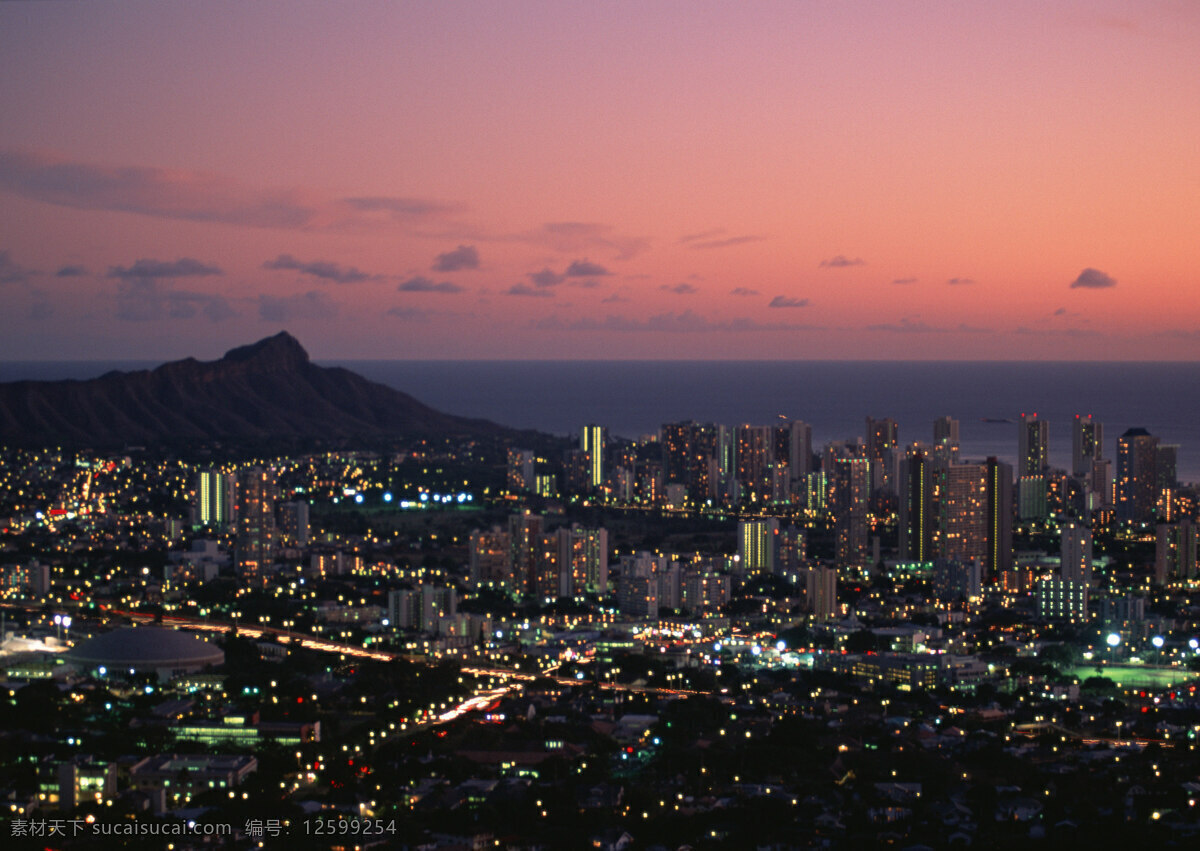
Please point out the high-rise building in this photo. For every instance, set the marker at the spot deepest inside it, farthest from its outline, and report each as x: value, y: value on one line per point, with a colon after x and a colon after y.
x: 849, y: 504
x: 820, y: 592
x: 1033, y: 445
x: 918, y: 506
x: 1075, y: 564
x: 800, y: 452
x: 525, y: 533
x: 593, y: 439
x: 945, y: 433
x: 999, y: 555
x: 758, y: 545
x: 692, y: 456
x: 882, y: 439
x: 963, y: 514
x: 1087, y: 444
x: 254, y: 546
x: 755, y: 460
x: 520, y: 471
x: 293, y: 522
x: 215, y: 499
x: 490, y: 560
x: 582, y: 561
x: 1175, y: 552
x: 1137, y: 475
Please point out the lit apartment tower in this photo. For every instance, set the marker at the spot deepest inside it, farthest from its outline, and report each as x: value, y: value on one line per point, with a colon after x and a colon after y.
x: 1137, y: 475
x: 1087, y: 444
x: 525, y: 532
x: 999, y: 556
x: 1175, y: 552
x: 799, y: 454
x: 582, y: 561
x: 293, y: 522
x: 791, y: 552
x: 1033, y: 444
x: 1075, y: 564
x: 918, y: 493
x: 758, y: 545
x: 592, y: 440
x: 849, y: 503
x: 215, y: 499
x: 963, y: 514
x: 820, y: 591
x: 520, y: 470
x: 489, y: 559
x: 882, y: 438
x: 755, y: 458
x: 691, y: 456
x: 255, y: 541
x: 945, y: 433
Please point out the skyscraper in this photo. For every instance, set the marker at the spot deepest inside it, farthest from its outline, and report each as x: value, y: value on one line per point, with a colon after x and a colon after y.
x: 917, y: 506
x: 755, y: 462
x: 945, y: 432
x: 1175, y: 552
x: 1137, y: 475
x: 999, y: 517
x: 1087, y: 444
x: 849, y: 503
x: 215, y: 499
x: 1033, y: 442
x: 758, y: 545
x: 964, y: 514
x: 1075, y: 563
x: 254, y: 547
x: 592, y: 440
x: 882, y: 438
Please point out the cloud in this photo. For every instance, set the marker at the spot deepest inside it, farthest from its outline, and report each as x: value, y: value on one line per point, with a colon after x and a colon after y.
x: 907, y: 326
x: 463, y: 257
x: 196, y: 196
x: 578, y: 237
x: 903, y: 281
x: 784, y: 301
x: 743, y: 291
x: 615, y: 298
x: 145, y: 299
x: 841, y: 261
x: 413, y: 314
x: 313, y: 304
x: 1057, y: 332
x: 546, y: 278
x: 671, y: 323
x: 1093, y: 279
x: 958, y: 282
x: 323, y: 269
x: 11, y: 272
x: 716, y: 239
x: 523, y: 290
x: 71, y: 271
x: 585, y: 269
x: 680, y: 289
x: 421, y: 284
x: 184, y: 267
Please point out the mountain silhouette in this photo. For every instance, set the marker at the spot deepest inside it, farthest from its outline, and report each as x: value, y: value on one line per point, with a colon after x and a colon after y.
x: 268, y: 389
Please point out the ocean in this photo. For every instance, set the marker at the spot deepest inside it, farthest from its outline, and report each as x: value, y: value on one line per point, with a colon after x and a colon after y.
x: 634, y: 398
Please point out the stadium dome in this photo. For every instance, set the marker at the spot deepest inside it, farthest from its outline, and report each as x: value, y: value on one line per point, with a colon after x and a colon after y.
x: 146, y: 648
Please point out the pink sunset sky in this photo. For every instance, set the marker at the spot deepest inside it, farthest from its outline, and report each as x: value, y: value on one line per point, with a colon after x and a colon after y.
x: 745, y: 180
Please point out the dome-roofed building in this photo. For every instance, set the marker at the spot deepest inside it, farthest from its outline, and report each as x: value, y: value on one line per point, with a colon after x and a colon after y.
x: 142, y: 649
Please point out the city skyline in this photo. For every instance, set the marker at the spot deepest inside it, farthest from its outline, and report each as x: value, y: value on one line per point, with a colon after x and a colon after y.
x: 827, y: 181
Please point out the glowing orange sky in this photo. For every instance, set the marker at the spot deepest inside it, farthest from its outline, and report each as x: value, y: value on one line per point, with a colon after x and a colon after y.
x: 609, y: 180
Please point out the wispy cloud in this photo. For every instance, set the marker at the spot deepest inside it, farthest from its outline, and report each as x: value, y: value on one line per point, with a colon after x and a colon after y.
x: 71, y: 271
x: 1058, y: 332
x: 580, y: 237
x: 904, y: 281
x: 524, y: 290
x: 680, y: 289
x: 546, y: 278
x: 323, y: 269
x: 585, y: 269
x: 463, y: 257
x: 411, y: 314
x: 147, y: 299
x: 841, y: 261
x: 958, y: 282
x: 197, y: 196
x: 12, y: 272
x: 912, y: 325
x: 184, y: 267
x: 784, y: 301
x: 313, y: 304
x: 686, y: 322
x: 743, y: 291
x: 420, y: 284
x: 1093, y: 279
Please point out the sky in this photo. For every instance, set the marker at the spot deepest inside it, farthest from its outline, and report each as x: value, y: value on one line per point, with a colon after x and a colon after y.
x: 549, y: 180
